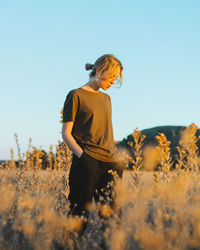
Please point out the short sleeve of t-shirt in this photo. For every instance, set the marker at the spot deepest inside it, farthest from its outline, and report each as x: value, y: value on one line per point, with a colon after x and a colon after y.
x: 70, y: 107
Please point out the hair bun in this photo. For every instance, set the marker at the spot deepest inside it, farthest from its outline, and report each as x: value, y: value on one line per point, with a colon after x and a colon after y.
x: 88, y: 66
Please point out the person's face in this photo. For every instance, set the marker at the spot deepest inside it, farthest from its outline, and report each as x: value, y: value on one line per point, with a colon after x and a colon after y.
x: 107, y: 79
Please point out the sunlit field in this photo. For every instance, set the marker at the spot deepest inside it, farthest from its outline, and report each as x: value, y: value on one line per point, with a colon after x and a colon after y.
x: 153, y: 209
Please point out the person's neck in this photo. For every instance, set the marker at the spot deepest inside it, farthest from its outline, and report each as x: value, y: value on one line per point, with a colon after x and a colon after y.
x: 91, y: 85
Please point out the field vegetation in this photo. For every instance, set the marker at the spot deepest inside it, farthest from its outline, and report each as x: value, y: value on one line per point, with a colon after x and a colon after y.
x: 154, y: 209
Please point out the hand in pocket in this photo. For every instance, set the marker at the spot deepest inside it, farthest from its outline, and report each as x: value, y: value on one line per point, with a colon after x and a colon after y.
x: 81, y: 155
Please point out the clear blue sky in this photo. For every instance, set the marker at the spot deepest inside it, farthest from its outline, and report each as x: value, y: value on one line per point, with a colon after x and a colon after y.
x: 44, y: 46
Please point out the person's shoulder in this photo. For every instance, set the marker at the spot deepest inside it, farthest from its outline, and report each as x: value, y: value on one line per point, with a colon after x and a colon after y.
x: 73, y: 92
x: 106, y: 95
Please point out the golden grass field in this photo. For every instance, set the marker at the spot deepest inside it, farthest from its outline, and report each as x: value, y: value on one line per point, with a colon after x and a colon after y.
x: 153, y: 209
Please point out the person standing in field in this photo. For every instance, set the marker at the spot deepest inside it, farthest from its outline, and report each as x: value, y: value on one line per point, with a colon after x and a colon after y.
x: 88, y: 132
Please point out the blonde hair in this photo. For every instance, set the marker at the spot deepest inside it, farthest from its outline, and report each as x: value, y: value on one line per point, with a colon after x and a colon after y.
x: 104, y: 63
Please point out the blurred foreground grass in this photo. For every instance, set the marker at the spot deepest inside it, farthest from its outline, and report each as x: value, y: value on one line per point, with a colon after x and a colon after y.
x: 153, y: 214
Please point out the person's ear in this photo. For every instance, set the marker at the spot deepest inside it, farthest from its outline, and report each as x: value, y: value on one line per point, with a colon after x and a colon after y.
x: 97, y: 74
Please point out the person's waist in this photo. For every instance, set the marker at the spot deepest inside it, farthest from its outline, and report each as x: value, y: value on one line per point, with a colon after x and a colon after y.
x: 105, y: 149
x: 81, y: 144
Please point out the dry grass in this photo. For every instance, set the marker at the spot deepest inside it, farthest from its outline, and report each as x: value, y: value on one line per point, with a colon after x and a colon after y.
x: 154, y: 210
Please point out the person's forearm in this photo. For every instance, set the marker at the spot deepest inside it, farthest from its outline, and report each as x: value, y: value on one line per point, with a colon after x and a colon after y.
x: 72, y: 144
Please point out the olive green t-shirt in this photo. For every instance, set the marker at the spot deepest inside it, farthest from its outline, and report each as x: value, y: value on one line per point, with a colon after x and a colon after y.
x: 92, y: 116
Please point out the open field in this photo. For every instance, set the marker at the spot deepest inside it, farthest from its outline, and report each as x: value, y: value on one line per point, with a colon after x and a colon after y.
x: 154, y: 213
x: 153, y: 210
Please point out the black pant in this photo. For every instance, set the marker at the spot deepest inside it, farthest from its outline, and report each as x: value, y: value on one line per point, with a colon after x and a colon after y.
x: 90, y: 178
